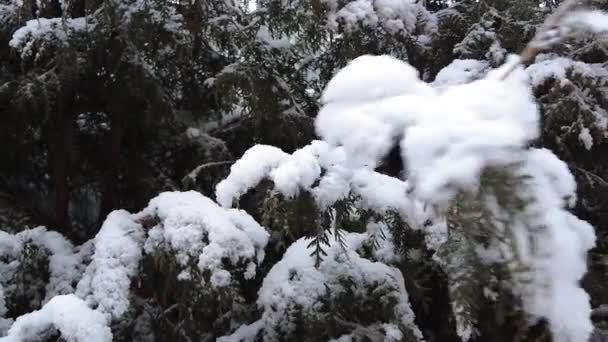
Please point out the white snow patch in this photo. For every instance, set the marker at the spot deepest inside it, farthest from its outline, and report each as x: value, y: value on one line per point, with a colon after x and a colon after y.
x: 294, y: 284
x: 43, y: 29
x: 395, y: 16
x: 118, y: 250
x: 245, y: 333
x: 460, y: 71
x: 559, y: 262
x: 64, y: 261
x: 595, y: 21
x: 193, y: 226
x: 67, y: 313
x: 585, y: 138
x: 247, y: 172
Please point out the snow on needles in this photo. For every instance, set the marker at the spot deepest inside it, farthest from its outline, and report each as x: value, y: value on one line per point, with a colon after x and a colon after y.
x: 43, y: 29
x: 395, y: 16
x: 448, y: 135
x: 460, y: 71
x: 251, y: 169
x: 294, y: 286
x: 594, y: 21
x: 118, y: 250
x: 193, y: 226
x: 64, y: 261
x: 466, y: 129
x: 559, y: 263
x: 5, y: 323
x: 68, y: 314
x: 325, y: 171
x: 451, y: 135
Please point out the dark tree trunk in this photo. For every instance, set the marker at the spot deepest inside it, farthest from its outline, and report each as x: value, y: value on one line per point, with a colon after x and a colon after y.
x: 61, y: 132
x: 110, y: 188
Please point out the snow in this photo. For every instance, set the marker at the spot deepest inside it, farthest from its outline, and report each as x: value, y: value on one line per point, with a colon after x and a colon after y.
x: 476, y: 131
x: 585, y: 138
x: 449, y: 137
x: 193, y: 132
x: 64, y: 261
x: 245, y: 333
x: 107, y: 279
x: 385, y: 250
x: 380, y: 193
x: 557, y: 67
x: 64, y: 264
x: 395, y: 16
x: 5, y: 323
x: 376, y: 100
x: 392, y: 332
x: 192, y: 226
x: 479, y: 32
x: 304, y: 170
x: 154, y: 12
x: 300, y: 170
x: 265, y: 37
x: 371, y: 78
x: 552, y: 68
x: 8, y: 11
x: 247, y: 172
x: 559, y: 263
x: 436, y: 235
x: 354, y: 12
x: 2, y: 302
x: 449, y: 133
x: 43, y: 29
x: 595, y: 21
x: 367, y: 106
x: 294, y: 284
x: 66, y: 313
x: 460, y: 71
x: 562, y: 70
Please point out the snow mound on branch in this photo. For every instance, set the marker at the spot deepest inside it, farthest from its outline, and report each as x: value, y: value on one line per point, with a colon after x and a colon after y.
x: 460, y: 71
x: 117, y: 252
x: 368, y: 104
x: 193, y: 226
x: 396, y: 16
x: 466, y: 129
x: 5, y: 323
x: 324, y: 171
x: 294, y: 286
x: 594, y: 21
x: 559, y: 263
x: 558, y: 67
x: 248, y: 171
x: 64, y: 261
x: 67, y: 313
x: 371, y: 78
x: 43, y: 30
x: 448, y: 137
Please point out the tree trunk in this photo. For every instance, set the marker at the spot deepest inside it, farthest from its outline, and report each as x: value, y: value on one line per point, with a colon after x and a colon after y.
x: 110, y: 196
x: 59, y: 160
